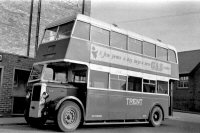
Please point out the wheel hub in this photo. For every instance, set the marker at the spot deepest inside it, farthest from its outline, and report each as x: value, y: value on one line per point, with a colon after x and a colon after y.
x: 69, y: 117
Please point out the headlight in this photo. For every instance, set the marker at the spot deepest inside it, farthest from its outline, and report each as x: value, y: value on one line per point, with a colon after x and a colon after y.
x: 28, y: 95
x: 45, y: 95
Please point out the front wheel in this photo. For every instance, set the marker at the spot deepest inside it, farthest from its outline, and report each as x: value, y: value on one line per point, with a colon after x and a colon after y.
x: 69, y: 116
x: 156, y: 117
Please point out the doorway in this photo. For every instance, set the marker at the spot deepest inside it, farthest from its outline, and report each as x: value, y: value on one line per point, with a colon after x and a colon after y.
x: 19, y: 90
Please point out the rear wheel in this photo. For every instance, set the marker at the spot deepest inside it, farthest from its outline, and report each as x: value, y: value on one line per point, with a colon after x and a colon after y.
x: 156, y: 117
x: 69, y: 116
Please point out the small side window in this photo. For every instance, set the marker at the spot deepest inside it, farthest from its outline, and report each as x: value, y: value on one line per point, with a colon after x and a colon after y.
x: 118, y: 40
x: 162, y: 87
x: 99, y: 35
x: 82, y: 30
x: 117, y: 82
x: 149, y: 86
x: 149, y: 49
x: 134, y: 84
x: 135, y: 45
x: 98, y: 79
x: 171, y: 56
x: 161, y: 53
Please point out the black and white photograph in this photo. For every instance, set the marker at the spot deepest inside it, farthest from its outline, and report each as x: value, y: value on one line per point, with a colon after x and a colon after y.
x: 100, y: 66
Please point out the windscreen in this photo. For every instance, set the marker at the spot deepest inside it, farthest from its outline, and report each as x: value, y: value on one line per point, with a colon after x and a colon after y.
x: 58, y: 32
x: 36, y: 72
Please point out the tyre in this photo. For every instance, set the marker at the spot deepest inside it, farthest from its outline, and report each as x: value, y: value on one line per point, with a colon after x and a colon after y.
x: 69, y: 116
x: 156, y: 117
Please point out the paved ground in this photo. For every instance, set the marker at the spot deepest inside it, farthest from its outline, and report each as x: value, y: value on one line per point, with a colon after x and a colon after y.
x: 180, y: 123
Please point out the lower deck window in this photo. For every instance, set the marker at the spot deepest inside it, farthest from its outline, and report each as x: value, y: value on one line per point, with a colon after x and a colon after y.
x: 149, y: 86
x: 134, y: 84
x: 117, y: 82
x: 162, y: 87
x: 98, y: 79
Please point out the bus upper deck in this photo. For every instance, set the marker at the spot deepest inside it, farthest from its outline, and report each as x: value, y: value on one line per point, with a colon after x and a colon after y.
x: 85, y: 40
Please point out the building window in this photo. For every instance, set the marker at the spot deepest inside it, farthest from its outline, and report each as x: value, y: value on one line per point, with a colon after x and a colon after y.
x: 183, y: 82
x: 98, y: 79
x: 99, y: 35
x: 118, y: 40
x: 149, y: 86
x: 117, y: 82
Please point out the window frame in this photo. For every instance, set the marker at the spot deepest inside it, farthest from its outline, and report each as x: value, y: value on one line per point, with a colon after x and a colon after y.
x: 143, y: 51
x: 90, y: 83
x: 109, y: 35
x: 141, y: 91
x: 121, y: 46
x: 149, y: 83
x: 74, y: 27
x: 128, y: 44
x: 119, y: 79
x: 183, y: 79
x: 168, y: 56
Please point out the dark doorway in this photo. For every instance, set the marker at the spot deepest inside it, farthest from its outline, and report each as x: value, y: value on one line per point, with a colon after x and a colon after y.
x: 19, y: 90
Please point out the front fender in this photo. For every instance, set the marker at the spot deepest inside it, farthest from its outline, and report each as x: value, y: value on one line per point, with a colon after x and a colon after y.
x: 71, y: 98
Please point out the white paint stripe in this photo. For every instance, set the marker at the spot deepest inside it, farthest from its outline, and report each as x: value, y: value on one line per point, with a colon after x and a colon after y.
x: 118, y: 71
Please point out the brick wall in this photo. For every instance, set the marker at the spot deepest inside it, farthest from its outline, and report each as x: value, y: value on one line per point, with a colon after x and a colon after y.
x: 188, y: 99
x: 9, y: 63
x: 197, y: 90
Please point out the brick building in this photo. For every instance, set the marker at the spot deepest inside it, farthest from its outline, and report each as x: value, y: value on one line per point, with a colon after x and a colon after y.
x: 14, y: 73
x: 187, y: 89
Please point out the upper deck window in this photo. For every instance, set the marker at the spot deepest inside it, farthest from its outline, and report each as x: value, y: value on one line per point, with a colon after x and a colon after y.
x: 50, y: 34
x: 82, y: 30
x: 171, y: 56
x: 135, y: 45
x: 65, y: 30
x: 149, y: 49
x: 162, y: 53
x: 99, y: 35
x: 118, y: 40
x: 58, y: 32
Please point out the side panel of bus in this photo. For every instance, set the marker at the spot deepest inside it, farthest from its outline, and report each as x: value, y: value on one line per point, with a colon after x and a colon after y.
x: 97, y: 105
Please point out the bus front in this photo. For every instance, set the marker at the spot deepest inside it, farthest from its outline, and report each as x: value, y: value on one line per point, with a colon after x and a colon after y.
x: 57, y: 83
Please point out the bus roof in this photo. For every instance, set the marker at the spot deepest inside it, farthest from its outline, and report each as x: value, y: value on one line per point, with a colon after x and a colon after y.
x: 109, y: 27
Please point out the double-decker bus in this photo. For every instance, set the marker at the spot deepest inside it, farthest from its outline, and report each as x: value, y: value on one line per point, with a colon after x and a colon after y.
x: 91, y: 72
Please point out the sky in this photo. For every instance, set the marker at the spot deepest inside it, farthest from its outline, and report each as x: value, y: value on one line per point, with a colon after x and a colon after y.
x: 174, y: 22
